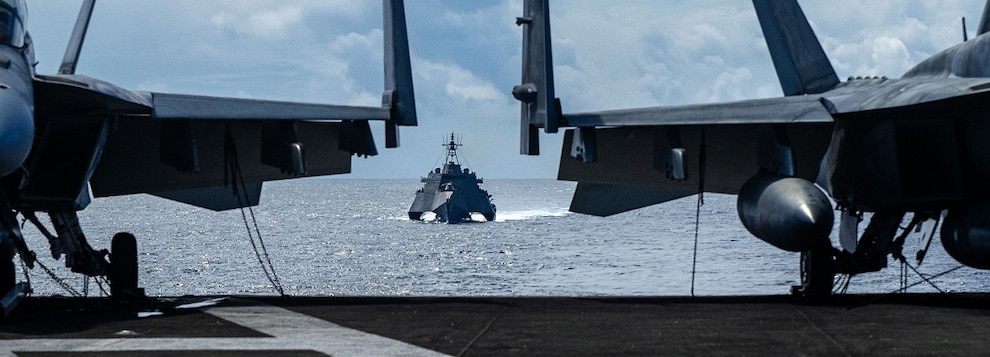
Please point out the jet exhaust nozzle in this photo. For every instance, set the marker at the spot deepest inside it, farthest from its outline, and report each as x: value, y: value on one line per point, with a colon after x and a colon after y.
x: 790, y: 213
x: 966, y: 235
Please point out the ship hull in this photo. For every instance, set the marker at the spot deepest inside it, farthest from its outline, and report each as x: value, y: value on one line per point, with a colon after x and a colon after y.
x: 452, y: 194
x: 453, y: 209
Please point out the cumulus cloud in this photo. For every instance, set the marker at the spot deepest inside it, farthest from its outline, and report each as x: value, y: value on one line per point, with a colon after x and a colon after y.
x: 473, y: 91
x: 879, y: 56
x: 272, y: 23
x: 457, y: 83
x: 652, y: 53
x: 731, y: 84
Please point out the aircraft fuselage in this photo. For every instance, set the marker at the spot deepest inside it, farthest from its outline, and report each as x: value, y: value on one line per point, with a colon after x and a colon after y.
x: 914, y: 143
x: 16, y: 89
x: 16, y: 109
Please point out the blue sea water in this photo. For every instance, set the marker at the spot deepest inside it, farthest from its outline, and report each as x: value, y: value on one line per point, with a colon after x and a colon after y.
x: 352, y: 237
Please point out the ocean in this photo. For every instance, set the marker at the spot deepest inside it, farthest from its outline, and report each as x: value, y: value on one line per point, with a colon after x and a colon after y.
x: 352, y: 237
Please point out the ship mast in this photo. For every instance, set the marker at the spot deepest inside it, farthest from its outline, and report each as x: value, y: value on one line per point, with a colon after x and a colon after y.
x: 452, y: 150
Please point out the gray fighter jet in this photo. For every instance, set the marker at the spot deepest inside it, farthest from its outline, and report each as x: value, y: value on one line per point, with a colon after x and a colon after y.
x: 65, y: 138
x: 884, y: 146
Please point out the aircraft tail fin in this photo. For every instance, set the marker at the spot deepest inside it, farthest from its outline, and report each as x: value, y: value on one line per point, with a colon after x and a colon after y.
x: 801, y: 64
x: 539, y: 105
x: 985, y: 20
x: 398, y: 96
x: 71, y: 57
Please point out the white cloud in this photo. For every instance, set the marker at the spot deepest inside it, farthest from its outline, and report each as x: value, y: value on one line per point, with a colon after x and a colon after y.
x: 890, y: 53
x: 731, y: 84
x: 269, y: 24
x: 458, y: 83
x: 473, y: 91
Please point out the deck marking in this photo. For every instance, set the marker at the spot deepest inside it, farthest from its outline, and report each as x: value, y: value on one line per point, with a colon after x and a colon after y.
x: 290, y: 330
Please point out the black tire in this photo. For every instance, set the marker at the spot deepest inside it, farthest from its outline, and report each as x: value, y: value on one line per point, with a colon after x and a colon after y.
x: 817, y: 273
x: 8, y: 277
x: 123, y: 266
x: 8, y: 274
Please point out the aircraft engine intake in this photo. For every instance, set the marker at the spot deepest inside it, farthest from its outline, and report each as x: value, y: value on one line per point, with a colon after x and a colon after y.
x: 790, y: 213
x: 966, y: 235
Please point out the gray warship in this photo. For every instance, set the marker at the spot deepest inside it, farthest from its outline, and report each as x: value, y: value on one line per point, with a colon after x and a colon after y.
x: 452, y: 193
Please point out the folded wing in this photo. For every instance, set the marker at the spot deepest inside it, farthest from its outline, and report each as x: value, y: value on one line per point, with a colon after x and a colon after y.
x: 208, y: 151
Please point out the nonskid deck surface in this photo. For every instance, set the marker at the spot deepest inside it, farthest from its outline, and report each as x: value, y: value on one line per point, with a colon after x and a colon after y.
x: 906, y: 324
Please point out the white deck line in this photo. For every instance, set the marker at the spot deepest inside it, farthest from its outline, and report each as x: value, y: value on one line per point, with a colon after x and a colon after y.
x: 290, y: 330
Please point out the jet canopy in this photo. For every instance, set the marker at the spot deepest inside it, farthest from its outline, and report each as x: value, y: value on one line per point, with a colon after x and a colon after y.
x: 12, y: 14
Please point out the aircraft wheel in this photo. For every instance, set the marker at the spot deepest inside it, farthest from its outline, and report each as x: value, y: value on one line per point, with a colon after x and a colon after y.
x: 8, y: 276
x: 817, y: 273
x: 123, y: 266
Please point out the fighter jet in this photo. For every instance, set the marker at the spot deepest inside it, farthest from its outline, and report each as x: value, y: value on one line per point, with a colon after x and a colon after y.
x: 66, y: 138
x: 881, y: 146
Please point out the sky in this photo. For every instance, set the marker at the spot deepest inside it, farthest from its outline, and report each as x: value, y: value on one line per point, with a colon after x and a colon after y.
x: 467, y: 56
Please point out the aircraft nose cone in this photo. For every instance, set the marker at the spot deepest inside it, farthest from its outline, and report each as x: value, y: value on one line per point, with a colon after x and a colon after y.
x: 16, y: 129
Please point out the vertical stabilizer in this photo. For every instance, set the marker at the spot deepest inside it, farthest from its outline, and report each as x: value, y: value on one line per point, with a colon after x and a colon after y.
x: 398, y: 96
x: 985, y: 20
x: 539, y: 106
x: 801, y: 64
x: 71, y: 57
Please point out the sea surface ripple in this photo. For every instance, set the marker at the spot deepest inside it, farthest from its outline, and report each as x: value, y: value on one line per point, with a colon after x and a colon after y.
x: 352, y: 237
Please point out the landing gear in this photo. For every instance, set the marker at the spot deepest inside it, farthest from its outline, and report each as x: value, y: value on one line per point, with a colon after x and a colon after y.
x: 121, y: 268
x: 7, y: 276
x: 123, y: 274
x: 817, y: 273
x: 11, y: 242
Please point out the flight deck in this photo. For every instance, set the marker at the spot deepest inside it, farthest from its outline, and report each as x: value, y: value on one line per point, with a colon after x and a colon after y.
x: 901, y: 324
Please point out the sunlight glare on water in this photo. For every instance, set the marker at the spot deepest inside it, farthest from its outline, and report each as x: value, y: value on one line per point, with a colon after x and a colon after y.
x: 348, y: 237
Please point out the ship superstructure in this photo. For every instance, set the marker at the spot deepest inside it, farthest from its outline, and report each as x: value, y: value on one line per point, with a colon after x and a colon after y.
x: 452, y: 193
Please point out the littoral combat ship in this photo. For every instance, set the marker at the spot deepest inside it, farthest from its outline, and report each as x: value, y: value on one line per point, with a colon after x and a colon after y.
x: 451, y: 194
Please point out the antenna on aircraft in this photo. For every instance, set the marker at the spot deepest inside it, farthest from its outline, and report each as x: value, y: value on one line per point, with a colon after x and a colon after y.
x: 71, y: 57
x: 965, y: 35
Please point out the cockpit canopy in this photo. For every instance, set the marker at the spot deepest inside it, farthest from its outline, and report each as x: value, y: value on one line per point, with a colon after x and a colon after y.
x: 12, y: 15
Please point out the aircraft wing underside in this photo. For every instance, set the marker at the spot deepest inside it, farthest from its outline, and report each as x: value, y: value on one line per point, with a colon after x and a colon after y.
x: 143, y: 155
x: 632, y: 169
x: 182, y: 147
x: 633, y: 146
